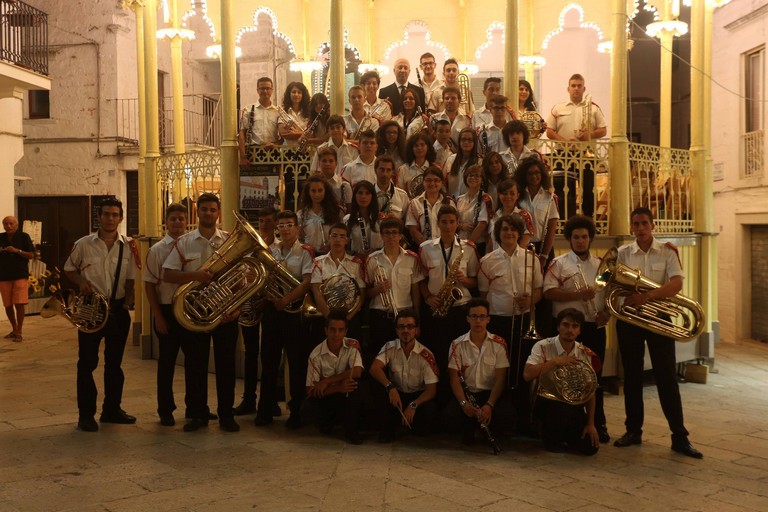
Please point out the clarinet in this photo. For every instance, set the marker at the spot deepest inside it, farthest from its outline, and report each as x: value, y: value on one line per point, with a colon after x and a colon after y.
x: 471, y: 401
x: 311, y: 129
x: 363, y: 235
x: 478, y: 205
x: 251, y: 123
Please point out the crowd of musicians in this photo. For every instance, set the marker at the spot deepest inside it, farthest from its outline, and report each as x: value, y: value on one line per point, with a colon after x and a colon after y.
x: 441, y: 221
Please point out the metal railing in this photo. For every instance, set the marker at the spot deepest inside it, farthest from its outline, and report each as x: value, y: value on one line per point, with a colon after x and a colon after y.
x: 24, y: 36
x: 202, y: 121
x: 754, y: 154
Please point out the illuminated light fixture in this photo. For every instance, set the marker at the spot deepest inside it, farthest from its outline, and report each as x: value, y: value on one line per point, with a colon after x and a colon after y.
x: 605, y: 46
x: 214, y: 51
x: 713, y: 3
x: 326, y: 48
x: 306, y: 65
x: 675, y: 27
x: 275, y: 32
x: 204, y: 11
x: 170, y: 33
x: 494, y: 26
x: 468, y: 69
x: 381, y: 69
x: 537, y: 60
x: 582, y: 24
x: 428, y: 38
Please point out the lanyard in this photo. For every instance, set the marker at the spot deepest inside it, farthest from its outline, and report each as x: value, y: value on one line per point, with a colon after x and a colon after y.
x: 446, y: 256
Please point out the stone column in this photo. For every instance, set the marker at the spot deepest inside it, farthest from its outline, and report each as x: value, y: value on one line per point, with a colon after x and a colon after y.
x: 619, y: 203
x: 230, y: 170
x: 511, y: 53
x: 336, y: 72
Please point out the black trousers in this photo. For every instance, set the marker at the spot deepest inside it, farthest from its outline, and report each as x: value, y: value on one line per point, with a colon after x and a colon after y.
x: 196, y: 367
x: 281, y: 330
x: 502, y: 418
x: 662, y: 352
x: 325, y: 412
x: 437, y: 334
x: 594, y: 339
x: 389, y: 418
x: 166, y: 362
x: 382, y: 329
x: 115, y: 334
x: 251, y: 356
x: 563, y: 423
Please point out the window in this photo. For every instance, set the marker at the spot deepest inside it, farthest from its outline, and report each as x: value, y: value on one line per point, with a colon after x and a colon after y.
x: 754, y: 82
x: 39, y: 105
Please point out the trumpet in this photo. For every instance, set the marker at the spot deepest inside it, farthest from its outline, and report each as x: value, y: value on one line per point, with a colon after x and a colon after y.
x: 285, y: 118
x: 580, y: 283
x: 387, y: 296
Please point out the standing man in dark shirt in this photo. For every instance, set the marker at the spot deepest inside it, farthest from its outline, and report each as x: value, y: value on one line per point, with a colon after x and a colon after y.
x: 16, y: 250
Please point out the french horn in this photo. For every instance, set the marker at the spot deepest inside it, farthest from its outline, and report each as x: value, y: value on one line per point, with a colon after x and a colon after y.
x: 88, y: 312
x: 574, y: 383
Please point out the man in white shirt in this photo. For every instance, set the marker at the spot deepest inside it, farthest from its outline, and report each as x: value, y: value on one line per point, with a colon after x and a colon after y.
x: 484, y: 115
x: 451, y: 113
x: 451, y: 75
x: 258, y: 122
x: 393, y: 201
x: 490, y: 134
x: 361, y: 168
x: 358, y: 120
x: 345, y: 152
x: 429, y: 81
x: 104, y: 262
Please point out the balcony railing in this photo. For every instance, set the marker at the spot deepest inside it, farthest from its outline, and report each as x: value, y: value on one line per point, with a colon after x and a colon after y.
x: 202, y: 121
x: 24, y: 36
x: 754, y: 154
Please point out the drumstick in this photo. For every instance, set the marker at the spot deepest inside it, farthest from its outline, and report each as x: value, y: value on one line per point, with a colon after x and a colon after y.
x: 404, y: 418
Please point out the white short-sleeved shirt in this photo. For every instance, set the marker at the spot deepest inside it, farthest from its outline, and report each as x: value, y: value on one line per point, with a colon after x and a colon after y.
x: 527, y: 225
x: 442, y: 152
x: 403, y: 274
x: 560, y: 275
x: 411, y: 373
x: 192, y: 250
x: 512, y: 161
x: 466, y: 204
x: 357, y: 170
x: 381, y: 109
x: 484, y: 115
x: 323, y: 363
x: 436, y: 85
x: 313, y: 230
x: 393, y: 201
x: 98, y: 265
x: 416, y: 217
x: 496, y: 140
x: 264, y: 120
x: 566, y: 118
x: 436, y: 103
x: 342, y: 189
x: 373, y: 237
x: 431, y: 256
x: 456, y: 185
x: 325, y: 267
x: 550, y: 348
x: 543, y: 208
x: 298, y: 260
x: 407, y: 172
x: 478, y: 364
x: 659, y: 264
x: 460, y: 122
x: 353, y: 126
x: 154, y: 270
x: 504, y: 277
x: 344, y: 154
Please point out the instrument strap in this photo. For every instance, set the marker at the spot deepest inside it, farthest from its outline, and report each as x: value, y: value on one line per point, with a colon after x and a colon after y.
x: 427, y: 222
x: 117, y: 273
x: 446, y: 256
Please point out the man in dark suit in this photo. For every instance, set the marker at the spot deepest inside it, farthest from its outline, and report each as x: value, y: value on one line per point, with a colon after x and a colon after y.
x: 393, y: 91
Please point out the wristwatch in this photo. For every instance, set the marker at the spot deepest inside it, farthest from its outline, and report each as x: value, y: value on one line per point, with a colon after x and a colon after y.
x: 389, y: 387
x: 413, y: 405
x: 463, y: 403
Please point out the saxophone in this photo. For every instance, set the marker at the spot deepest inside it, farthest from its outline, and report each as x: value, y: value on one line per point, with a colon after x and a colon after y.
x: 450, y: 292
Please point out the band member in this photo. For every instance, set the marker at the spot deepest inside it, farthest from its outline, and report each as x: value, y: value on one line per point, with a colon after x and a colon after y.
x: 294, y: 117
x: 484, y: 115
x: 104, y: 262
x: 378, y: 108
x: 252, y: 334
x: 160, y: 298
x: 516, y: 135
x: 393, y: 276
x: 452, y: 113
x: 419, y: 155
x: 393, y: 201
x: 491, y: 134
x: 446, y: 258
x: 467, y: 155
x: 495, y: 171
x: 410, y: 119
x: 334, y: 368
x: 258, y: 120
x: 363, y: 220
x: 659, y: 262
x: 444, y: 146
x: 281, y: 329
x: 577, y: 119
x: 392, y: 92
x: 508, y: 196
x: 407, y: 373
x: 16, y: 250
x: 391, y: 141
x: 481, y: 358
x: 534, y: 184
x: 345, y: 152
x: 429, y: 81
x: 511, y: 281
x: 475, y: 208
x: 318, y: 107
x: 450, y: 76
x: 525, y: 98
x: 569, y: 283
x: 318, y: 212
x: 358, y: 120
x: 361, y: 168
x: 182, y: 266
x: 421, y: 219
x: 564, y: 425
x: 342, y: 190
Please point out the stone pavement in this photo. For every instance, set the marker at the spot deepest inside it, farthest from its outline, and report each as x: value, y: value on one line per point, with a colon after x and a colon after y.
x: 46, y: 465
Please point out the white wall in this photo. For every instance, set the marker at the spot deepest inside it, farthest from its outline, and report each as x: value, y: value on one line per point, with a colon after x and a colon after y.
x: 11, y: 146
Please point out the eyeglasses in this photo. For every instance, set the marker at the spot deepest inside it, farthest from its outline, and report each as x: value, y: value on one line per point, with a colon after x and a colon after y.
x: 477, y: 317
x: 288, y: 225
x: 425, y: 64
x: 390, y: 233
x: 265, y: 88
x: 432, y: 180
x: 404, y: 327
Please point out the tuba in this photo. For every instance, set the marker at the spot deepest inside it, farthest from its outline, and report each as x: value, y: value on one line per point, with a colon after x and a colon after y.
x: 279, y: 282
x: 464, y: 89
x: 574, y: 384
x: 88, y: 312
x: 677, y: 317
x: 200, y: 307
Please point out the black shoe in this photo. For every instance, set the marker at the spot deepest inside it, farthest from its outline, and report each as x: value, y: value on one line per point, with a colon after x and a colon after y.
x: 276, y: 411
x: 354, y: 439
x: 119, y: 416
x: 262, y: 421
x: 602, y: 433
x: 628, y: 439
x: 167, y: 420
x: 293, y: 422
x: 195, y: 424
x: 211, y: 417
x: 686, y: 449
x: 245, y: 407
x: 87, y: 424
x: 229, y: 425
